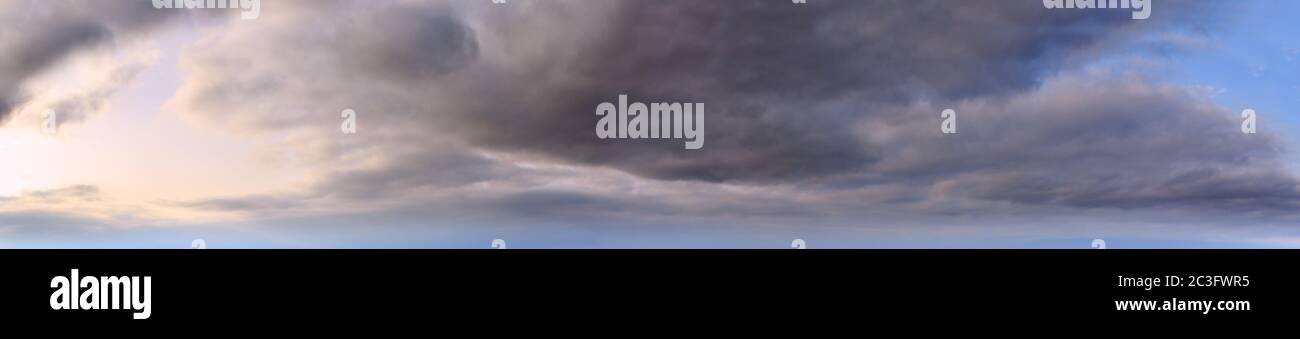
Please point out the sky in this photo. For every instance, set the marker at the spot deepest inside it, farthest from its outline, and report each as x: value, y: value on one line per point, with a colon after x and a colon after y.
x: 477, y: 121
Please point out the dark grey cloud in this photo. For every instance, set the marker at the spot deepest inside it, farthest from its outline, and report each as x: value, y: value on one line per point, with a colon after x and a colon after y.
x: 781, y: 84
x: 1097, y: 140
x: 832, y: 97
x: 40, y: 34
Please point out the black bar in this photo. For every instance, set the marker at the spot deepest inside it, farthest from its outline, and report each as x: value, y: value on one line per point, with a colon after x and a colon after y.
x: 468, y: 287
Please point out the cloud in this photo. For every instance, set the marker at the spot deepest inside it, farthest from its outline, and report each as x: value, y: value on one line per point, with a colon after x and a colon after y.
x: 84, y: 192
x: 36, y: 224
x: 822, y: 114
x: 477, y: 118
x: 65, y: 208
x: 88, y: 207
x: 782, y: 85
x: 1096, y: 139
x: 41, y: 34
x: 778, y: 83
x: 824, y: 97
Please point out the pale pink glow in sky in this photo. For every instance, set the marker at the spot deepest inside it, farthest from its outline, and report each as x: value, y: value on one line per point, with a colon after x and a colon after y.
x: 133, y: 150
